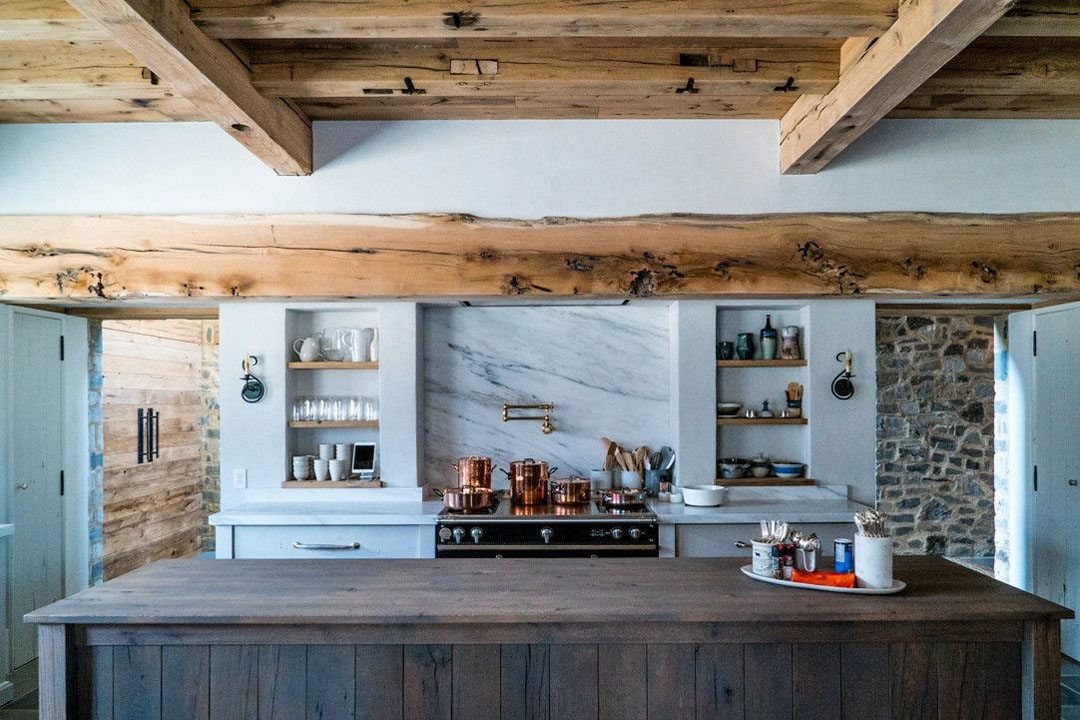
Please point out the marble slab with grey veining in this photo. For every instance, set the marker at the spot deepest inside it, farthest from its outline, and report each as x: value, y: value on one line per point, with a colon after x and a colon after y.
x: 606, y: 369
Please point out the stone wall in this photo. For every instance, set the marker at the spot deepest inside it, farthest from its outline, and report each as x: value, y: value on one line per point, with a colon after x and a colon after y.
x: 935, y: 463
x: 211, y: 430
x: 96, y: 476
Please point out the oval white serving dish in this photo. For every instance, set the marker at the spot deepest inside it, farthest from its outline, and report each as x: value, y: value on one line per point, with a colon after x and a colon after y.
x: 898, y: 585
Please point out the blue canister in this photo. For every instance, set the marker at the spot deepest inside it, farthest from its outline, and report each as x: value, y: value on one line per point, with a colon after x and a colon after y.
x: 842, y: 562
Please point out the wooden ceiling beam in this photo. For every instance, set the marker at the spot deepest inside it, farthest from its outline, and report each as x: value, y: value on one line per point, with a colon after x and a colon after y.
x: 69, y: 70
x: 371, y: 19
x: 99, y: 110
x: 112, y: 258
x: 203, y: 70
x: 1010, y: 66
x: 31, y: 20
x: 1040, y: 18
x: 563, y: 69
x: 927, y: 35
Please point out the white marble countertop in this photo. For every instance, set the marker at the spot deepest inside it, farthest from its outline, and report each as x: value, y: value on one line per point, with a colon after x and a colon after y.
x: 6, y: 529
x: 752, y: 511
x: 330, y: 513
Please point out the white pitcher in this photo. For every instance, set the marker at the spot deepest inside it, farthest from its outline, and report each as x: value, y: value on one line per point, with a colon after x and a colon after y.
x: 307, y: 349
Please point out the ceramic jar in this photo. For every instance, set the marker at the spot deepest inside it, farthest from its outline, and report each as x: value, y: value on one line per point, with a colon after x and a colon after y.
x: 744, y: 348
x: 768, y: 340
x: 789, y: 348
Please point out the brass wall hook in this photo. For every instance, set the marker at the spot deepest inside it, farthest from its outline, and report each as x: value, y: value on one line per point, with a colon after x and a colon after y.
x: 545, y: 425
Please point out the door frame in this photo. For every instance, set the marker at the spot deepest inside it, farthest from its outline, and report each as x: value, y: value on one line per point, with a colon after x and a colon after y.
x: 76, y: 459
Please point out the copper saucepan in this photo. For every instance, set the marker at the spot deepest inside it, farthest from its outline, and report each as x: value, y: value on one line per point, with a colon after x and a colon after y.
x: 467, y: 499
x: 473, y: 471
x: 570, y: 491
x: 623, y: 497
x: 529, y: 482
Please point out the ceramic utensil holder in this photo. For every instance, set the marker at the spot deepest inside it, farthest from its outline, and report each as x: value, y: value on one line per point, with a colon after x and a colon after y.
x: 764, y: 563
x: 873, y: 561
x: 629, y: 479
x: 601, y: 479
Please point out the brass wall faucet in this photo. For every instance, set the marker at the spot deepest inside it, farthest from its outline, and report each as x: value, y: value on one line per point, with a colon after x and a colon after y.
x: 545, y: 426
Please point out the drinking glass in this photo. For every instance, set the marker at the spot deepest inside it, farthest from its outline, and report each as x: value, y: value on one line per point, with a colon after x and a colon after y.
x: 356, y: 408
x: 326, y: 410
x: 339, y: 408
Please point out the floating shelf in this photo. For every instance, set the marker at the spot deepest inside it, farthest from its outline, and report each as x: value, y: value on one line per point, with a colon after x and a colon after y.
x: 765, y: 481
x: 330, y: 485
x: 333, y: 423
x: 760, y: 363
x: 327, y: 365
x: 760, y: 421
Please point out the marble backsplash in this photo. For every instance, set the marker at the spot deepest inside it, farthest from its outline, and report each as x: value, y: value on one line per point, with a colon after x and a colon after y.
x: 606, y: 369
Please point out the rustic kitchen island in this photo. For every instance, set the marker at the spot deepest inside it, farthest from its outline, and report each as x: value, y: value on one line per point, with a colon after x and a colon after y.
x: 544, y: 638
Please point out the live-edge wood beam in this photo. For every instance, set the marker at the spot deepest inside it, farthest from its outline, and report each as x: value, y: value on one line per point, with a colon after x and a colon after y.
x: 927, y: 34
x: 161, y: 34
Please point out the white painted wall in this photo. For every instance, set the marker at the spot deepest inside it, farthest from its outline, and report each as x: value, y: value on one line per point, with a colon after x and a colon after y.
x: 535, y: 168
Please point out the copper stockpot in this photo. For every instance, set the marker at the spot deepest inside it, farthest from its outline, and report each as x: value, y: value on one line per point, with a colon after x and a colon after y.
x: 570, y: 491
x: 467, y: 499
x: 473, y: 471
x: 529, y: 482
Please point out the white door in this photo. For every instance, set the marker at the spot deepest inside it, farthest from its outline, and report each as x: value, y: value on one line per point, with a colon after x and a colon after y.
x: 1057, y: 457
x: 36, y: 451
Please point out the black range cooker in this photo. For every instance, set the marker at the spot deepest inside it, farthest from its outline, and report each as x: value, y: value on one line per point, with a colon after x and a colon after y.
x: 517, y: 531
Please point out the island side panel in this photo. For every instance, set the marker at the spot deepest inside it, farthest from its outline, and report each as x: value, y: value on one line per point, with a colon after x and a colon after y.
x: 477, y: 681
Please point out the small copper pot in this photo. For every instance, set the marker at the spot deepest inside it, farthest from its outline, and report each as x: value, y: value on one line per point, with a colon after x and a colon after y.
x: 529, y: 482
x: 467, y: 499
x: 473, y: 471
x: 570, y: 491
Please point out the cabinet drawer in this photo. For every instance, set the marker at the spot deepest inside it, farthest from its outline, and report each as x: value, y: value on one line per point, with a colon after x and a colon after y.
x: 327, y: 541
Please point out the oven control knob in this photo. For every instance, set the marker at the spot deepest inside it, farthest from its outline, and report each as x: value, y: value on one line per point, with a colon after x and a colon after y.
x: 636, y: 533
x: 444, y: 534
x: 616, y: 534
x: 459, y: 535
x: 476, y: 533
x: 546, y: 534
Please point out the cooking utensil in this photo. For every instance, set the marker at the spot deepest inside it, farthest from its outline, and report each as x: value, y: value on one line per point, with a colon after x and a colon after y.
x: 655, y: 458
x: 668, y: 457
x: 871, y: 523
x: 623, y: 497
x: 467, y: 499
x: 570, y: 491
x: 529, y: 481
x: 473, y: 471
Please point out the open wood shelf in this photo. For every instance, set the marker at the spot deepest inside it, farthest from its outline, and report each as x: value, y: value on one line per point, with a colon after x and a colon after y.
x: 760, y: 421
x: 333, y: 423
x: 763, y: 482
x: 327, y: 365
x: 760, y: 363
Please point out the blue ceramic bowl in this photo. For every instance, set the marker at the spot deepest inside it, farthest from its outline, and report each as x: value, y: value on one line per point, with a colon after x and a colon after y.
x: 788, y: 469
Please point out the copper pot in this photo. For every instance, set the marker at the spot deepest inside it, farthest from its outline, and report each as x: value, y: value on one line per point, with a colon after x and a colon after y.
x: 473, y: 471
x: 570, y: 491
x: 623, y: 497
x: 529, y: 482
x: 467, y: 499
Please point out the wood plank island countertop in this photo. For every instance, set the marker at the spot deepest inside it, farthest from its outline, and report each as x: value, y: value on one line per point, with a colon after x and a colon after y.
x: 542, y: 638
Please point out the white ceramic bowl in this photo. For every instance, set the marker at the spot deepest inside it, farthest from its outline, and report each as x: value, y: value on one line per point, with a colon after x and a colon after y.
x: 788, y: 469
x: 727, y: 409
x: 704, y: 495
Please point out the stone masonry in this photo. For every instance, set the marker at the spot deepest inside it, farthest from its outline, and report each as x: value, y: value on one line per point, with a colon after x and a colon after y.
x: 935, y: 458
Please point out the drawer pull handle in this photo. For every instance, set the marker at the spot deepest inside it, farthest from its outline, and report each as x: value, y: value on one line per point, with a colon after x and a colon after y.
x: 323, y: 546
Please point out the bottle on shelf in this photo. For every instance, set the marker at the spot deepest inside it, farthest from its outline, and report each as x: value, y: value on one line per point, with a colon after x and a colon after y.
x: 768, y: 340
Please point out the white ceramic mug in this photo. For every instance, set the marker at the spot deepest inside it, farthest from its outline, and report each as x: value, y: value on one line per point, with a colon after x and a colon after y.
x: 337, y: 470
x: 343, y: 452
x: 307, y: 349
x: 322, y: 470
x: 326, y: 451
x: 763, y: 559
x: 873, y: 561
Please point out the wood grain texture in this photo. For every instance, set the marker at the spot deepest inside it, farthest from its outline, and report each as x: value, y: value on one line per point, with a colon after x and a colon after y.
x: 56, y: 684
x: 816, y: 681
x: 767, y: 681
x: 671, y: 670
x: 526, y: 682
x: 282, y: 682
x: 427, y: 681
x: 116, y: 257
x: 865, y: 695
x: 477, y: 684
x: 575, y: 691
x: 136, y: 683
x: 927, y: 35
x: 185, y: 682
x: 210, y: 75
x: 719, y: 686
x: 94, y: 682
x: 45, y: 20
x: 622, y: 694
x: 383, y: 19
x: 151, y: 510
x: 234, y: 682
x: 331, y: 682
x: 559, y: 69
x: 1041, y: 653
x: 75, y: 69
x: 379, y: 678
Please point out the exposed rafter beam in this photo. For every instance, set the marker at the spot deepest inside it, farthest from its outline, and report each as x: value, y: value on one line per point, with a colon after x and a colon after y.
x: 203, y: 70
x: 927, y: 35
x: 542, y: 18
